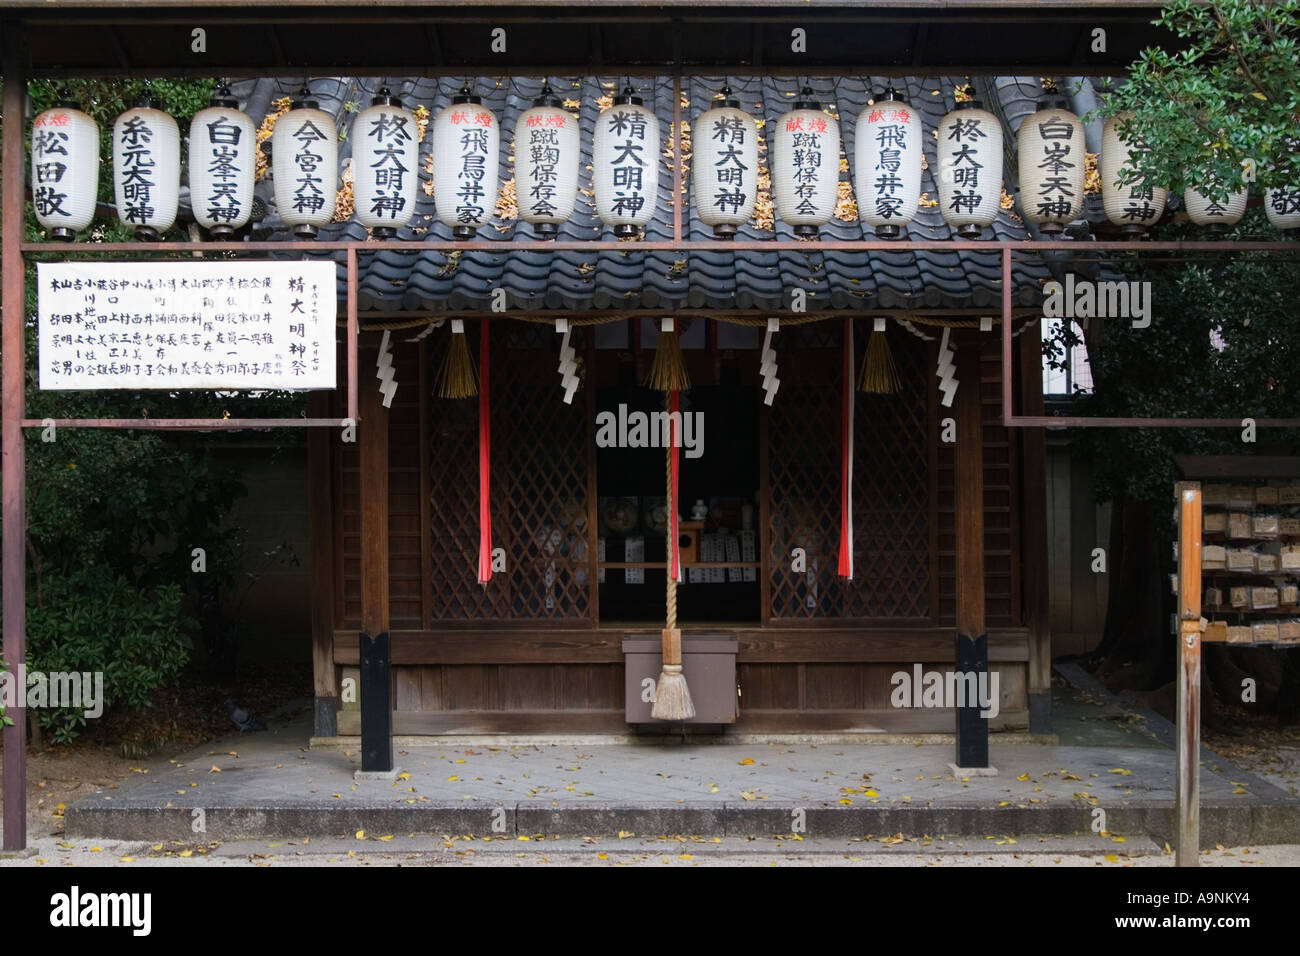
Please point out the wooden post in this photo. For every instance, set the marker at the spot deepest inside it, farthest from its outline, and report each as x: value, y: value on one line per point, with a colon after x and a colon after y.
x: 1187, y: 793
x: 376, y: 683
x: 320, y: 496
x: 968, y: 519
x: 1034, y: 537
x: 13, y: 590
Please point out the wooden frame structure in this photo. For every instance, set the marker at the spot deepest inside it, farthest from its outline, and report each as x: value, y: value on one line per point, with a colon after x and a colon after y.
x: 264, y: 50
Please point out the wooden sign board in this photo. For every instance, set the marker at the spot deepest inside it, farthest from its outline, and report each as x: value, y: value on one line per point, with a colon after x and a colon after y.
x: 238, y: 325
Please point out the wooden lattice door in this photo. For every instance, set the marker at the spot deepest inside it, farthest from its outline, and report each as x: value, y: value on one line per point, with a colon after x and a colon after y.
x: 892, y: 490
x: 539, y: 488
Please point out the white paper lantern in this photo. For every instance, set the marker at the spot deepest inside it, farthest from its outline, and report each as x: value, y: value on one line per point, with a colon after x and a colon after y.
x: 806, y: 165
x: 969, y: 152
x: 1282, y: 206
x: 385, y: 165
x: 724, y: 166
x: 146, y: 169
x: 887, y: 164
x: 223, y: 165
x: 1052, y: 157
x: 1217, y: 217
x: 625, y: 164
x: 1134, y: 207
x: 65, y: 169
x: 547, y: 150
x: 305, y: 154
x: 466, y: 152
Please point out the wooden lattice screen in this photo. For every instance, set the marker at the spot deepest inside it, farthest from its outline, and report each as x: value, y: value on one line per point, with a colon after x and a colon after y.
x: 892, y: 509
x: 539, y: 486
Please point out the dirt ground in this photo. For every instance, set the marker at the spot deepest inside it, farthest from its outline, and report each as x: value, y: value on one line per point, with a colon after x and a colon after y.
x: 126, y: 742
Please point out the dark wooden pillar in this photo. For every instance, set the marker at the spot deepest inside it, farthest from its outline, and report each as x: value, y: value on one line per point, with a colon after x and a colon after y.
x: 13, y: 470
x: 968, y: 467
x: 320, y: 524
x: 376, y: 677
x: 1034, y: 536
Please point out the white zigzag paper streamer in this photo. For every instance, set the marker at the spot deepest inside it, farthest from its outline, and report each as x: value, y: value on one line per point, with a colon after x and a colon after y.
x: 568, y: 367
x: 386, y: 374
x: 767, y: 367
x: 947, y: 383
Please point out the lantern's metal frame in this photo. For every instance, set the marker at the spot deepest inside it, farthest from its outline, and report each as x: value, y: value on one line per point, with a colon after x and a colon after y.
x: 13, y: 331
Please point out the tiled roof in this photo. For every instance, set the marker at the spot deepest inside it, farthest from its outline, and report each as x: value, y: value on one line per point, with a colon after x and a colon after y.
x: 425, y: 280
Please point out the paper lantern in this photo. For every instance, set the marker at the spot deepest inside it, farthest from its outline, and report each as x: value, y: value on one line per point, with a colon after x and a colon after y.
x: 1217, y: 217
x: 806, y: 165
x: 385, y: 165
x: 887, y: 164
x: 625, y: 164
x: 466, y: 151
x: 147, y: 168
x: 969, y: 152
x: 724, y: 166
x: 223, y: 165
x: 305, y: 153
x: 1052, y: 156
x: 1282, y: 206
x: 1134, y: 207
x: 65, y: 169
x: 547, y: 149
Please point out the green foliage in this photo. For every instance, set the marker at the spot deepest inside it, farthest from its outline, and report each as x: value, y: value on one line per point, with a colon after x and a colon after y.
x: 113, y: 515
x: 1174, y: 368
x: 96, y: 621
x: 1230, y: 96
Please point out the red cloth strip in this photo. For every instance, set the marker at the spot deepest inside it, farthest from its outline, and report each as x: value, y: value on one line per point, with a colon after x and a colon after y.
x: 674, y: 440
x: 846, y: 458
x: 484, y: 460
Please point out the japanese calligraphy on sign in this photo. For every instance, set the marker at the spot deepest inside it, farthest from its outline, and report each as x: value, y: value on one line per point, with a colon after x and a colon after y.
x: 963, y: 164
x: 308, y: 160
x: 542, y: 143
x: 201, y: 325
x: 65, y: 166
x: 628, y: 158
x: 475, y: 145
x: 136, y: 168
x: 888, y: 158
x: 221, y: 167
x: 386, y: 184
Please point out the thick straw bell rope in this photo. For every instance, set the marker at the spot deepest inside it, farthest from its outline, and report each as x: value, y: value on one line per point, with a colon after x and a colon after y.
x: 457, y: 378
x: 672, y: 696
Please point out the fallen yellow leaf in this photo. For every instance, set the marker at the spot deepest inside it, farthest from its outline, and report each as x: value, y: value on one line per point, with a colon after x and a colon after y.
x: 1121, y: 770
x: 361, y: 834
x: 186, y: 853
x: 747, y: 762
x: 386, y: 837
x: 1023, y: 776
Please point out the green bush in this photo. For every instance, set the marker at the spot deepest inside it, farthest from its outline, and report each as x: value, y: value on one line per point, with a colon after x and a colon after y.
x: 94, y: 620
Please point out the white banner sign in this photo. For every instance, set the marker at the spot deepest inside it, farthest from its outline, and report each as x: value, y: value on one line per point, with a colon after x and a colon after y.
x: 187, y: 325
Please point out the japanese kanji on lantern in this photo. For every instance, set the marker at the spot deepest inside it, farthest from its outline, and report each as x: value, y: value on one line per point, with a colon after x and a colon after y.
x: 887, y: 164
x: 304, y: 151
x: 547, y: 149
x: 222, y: 164
x: 969, y: 150
x: 466, y: 151
x: 625, y: 164
x: 1052, y: 158
x: 1215, y: 215
x: 385, y: 158
x: 1136, y: 206
x: 806, y: 165
x: 724, y: 166
x: 146, y: 168
x: 1282, y: 206
x: 65, y: 169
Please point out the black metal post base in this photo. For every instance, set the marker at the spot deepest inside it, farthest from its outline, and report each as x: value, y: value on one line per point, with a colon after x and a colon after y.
x: 376, y: 705
x: 972, y: 729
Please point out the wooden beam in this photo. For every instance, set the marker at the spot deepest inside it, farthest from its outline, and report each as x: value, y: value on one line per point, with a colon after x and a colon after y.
x: 971, y: 651
x: 13, y: 590
x: 490, y: 644
x: 320, y: 524
x: 1034, y: 537
x: 1187, y: 786
x: 376, y: 686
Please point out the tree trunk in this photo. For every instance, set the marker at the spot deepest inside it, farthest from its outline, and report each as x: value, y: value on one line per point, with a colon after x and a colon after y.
x: 1136, y: 649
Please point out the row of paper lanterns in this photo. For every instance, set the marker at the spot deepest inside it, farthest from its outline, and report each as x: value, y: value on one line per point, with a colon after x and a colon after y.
x: 626, y: 165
